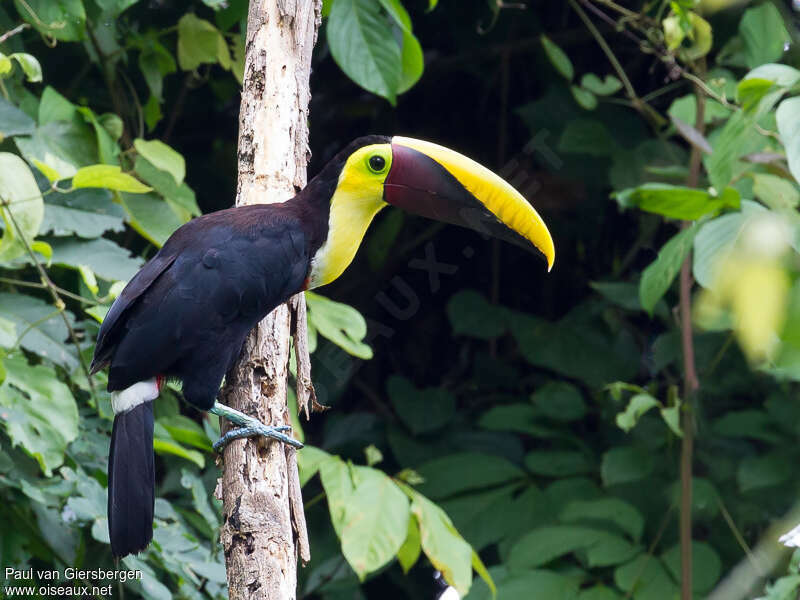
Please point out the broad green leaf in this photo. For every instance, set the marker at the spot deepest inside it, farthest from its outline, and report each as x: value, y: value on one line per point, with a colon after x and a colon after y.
x: 523, y: 418
x: 326, y: 8
x: 625, y: 464
x: 623, y: 515
x: 13, y: 121
x: 107, y: 147
x: 658, y: 277
x: 638, y: 405
x: 398, y: 13
x: 584, y: 97
x: 338, y: 484
x: 716, y: 238
x: 55, y: 107
x: 776, y: 192
x: 64, y: 20
x: 168, y: 446
x: 108, y: 176
x: 8, y: 335
x: 198, y: 42
x: 22, y: 206
x: 104, y: 257
x: 200, y: 500
x: 456, y: 473
x: 530, y: 584
x: 606, y: 87
x: 471, y: 315
x: 363, y: 46
x: 309, y: 462
x: 409, y: 552
x: 765, y: 471
x: 781, y: 75
x: 181, y: 198
x: 483, y: 573
x: 645, y: 578
x: 763, y: 33
x: 586, y: 136
x: 560, y: 401
x: 163, y: 157
x: 341, y: 324
x: 185, y: 431
x: 544, y: 544
x: 87, y: 213
x: 46, y: 170
x: 422, y: 410
x: 706, y: 566
x: 558, y: 58
x: 41, y: 328
x: 155, y: 62
x: 30, y: 66
x: 412, y: 63
x: 64, y: 146
x: 442, y: 544
x: 151, y: 216
x: 555, y: 463
x: 40, y: 413
x: 676, y: 202
x: 375, y: 521
x: 751, y: 90
x: 788, y: 119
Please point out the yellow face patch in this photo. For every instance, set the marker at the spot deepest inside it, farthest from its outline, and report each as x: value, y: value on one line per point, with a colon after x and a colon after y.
x: 356, y: 201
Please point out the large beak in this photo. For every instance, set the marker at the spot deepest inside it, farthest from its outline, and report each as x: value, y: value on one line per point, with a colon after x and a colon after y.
x: 435, y: 182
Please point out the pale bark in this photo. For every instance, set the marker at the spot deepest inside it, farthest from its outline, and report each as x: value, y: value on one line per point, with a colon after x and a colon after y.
x: 260, y: 476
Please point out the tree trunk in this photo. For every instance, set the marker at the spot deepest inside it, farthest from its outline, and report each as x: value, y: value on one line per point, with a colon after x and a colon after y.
x: 258, y: 476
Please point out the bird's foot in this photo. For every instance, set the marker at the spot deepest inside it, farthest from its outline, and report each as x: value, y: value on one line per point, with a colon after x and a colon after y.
x: 249, y: 427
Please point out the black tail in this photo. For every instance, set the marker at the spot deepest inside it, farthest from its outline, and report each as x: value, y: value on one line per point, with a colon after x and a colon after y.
x: 131, y: 481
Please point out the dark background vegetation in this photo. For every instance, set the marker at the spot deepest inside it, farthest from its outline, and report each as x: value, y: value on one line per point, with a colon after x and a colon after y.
x: 489, y: 380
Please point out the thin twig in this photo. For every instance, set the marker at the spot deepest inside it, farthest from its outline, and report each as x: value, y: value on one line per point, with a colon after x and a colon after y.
x: 41, y: 286
x: 13, y: 32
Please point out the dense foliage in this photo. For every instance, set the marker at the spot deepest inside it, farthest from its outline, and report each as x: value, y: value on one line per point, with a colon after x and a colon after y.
x: 484, y: 412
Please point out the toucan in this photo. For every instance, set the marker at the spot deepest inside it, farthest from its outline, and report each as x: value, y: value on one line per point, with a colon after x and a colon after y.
x: 185, y: 315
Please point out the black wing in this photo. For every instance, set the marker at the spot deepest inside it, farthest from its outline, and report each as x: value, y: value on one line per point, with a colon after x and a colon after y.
x: 187, y: 316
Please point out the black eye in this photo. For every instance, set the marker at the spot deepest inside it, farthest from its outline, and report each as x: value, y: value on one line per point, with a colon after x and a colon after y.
x: 377, y: 163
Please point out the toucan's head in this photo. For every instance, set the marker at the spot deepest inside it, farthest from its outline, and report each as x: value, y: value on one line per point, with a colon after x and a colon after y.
x: 424, y: 179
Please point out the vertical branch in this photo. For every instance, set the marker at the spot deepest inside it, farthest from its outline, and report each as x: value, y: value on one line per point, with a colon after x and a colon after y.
x: 257, y: 534
x: 691, y: 382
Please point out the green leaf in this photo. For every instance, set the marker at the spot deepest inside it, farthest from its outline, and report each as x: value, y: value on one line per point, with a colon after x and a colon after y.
x: 13, y: 121
x: 442, y: 544
x: 375, y: 521
x: 30, y: 66
x: 625, y: 464
x: 64, y: 20
x: 42, y: 329
x: 763, y: 33
x: 398, y: 13
x: 781, y: 75
x: 413, y: 63
x: 422, y: 410
x: 163, y: 157
x: 55, y: 107
x: 40, y: 413
x: 623, y: 515
x: 558, y: 58
x: 776, y: 192
x: 788, y: 119
x: 560, y: 401
x: 638, y: 405
x: 544, y: 544
x: 658, y: 277
x: 341, y: 324
x: 363, y: 46
x: 168, y: 446
x: 87, y: 213
x: 453, y: 474
x: 610, y: 85
x: 8, y: 337
x: 185, y: 431
x: 181, y: 198
x: 151, y: 216
x: 63, y: 146
x: 758, y: 472
x: 706, y: 566
x: 471, y: 315
x: 554, y: 463
x: 716, y: 238
x: 645, y: 578
x: 584, y: 98
x: 104, y: 257
x: 409, y: 552
x: 22, y: 206
x: 198, y: 42
x: 676, y: 202
x: 108, y: 176
x: 586, y: 136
